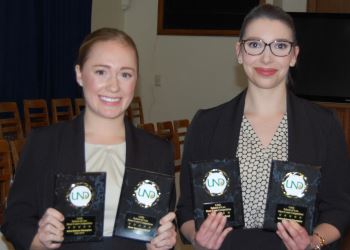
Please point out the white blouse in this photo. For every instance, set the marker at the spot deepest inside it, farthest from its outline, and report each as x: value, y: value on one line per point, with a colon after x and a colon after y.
x: 109, y: 159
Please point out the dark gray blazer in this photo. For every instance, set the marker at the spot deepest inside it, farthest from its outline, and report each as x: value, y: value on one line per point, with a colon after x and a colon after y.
x: 60, y: 148
x: 315, y: 137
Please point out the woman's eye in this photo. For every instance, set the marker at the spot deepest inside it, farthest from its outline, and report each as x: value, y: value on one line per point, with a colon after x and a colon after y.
x: 254, y: 44
x: 281, y: 45
x: 126, y: 75
x: 100, y: 72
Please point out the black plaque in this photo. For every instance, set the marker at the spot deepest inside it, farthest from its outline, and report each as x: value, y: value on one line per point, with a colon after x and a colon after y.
x: 216, y: 186
x: 292, y: 194
x: 80, y: 198
x: 144, y: 200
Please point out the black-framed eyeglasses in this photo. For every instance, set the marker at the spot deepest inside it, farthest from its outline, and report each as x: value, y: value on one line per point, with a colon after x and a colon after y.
x: 255, y: 47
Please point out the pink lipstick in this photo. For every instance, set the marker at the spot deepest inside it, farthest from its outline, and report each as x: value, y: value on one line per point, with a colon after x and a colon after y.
x: 265, y: 71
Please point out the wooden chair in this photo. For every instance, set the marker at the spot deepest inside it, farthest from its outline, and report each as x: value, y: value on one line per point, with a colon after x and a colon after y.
x: 35, y: 114
x: 16, y: 149
x: 5, y: 175
x: 180, y: 130
x: 135, y: 111
x: 149, y: 127
x: 165, y: 130
x: 61, y: 109
x: 79, y: 105
x: 10, y: 121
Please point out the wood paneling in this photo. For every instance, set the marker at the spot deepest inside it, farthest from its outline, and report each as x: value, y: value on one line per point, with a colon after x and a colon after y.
x: 330, y: 6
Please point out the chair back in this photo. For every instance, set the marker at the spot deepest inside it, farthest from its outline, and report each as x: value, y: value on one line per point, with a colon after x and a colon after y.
x: 135, y: 112
x: 180, y: 130
x: 149, y: 127
x: 5, y: 175
x: 61, y: 109
x: 79, y: 105
x: 10, y: 121
x: 16, y: 149
x: 165, y: 130
x: 35, y: 114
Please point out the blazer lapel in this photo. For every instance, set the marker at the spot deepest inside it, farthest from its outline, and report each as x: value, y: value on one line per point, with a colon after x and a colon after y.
x: 225, y: 138
x: 72, y: 147
x: 302, y: 147
x: 132, y: 147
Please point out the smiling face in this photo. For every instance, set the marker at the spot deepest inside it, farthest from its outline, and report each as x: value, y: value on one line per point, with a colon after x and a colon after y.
x: 108, y: 77
x: 267, y: 70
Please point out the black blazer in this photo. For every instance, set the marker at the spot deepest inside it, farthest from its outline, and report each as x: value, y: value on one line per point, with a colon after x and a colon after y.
x: 61, y: 148
x: 314, y: 137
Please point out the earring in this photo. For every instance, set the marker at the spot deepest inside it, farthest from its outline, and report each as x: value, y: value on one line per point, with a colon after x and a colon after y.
x: 239, y: 60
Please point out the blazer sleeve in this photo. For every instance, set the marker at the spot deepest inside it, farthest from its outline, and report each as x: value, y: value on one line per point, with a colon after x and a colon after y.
x: 184, y: 210
x: 334, y: 205
x: 21, y: 215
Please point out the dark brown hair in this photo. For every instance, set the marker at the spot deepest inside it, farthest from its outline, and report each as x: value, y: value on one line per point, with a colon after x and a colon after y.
x: 101, y: 35
x: 270, y: 12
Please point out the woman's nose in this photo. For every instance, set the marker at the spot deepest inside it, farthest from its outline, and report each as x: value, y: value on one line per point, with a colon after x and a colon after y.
x: 113, y: 84
x: 267, y: 54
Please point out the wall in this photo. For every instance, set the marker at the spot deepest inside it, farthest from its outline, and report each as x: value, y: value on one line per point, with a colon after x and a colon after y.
x: 178, y: 74
x: 292, y: 5
x: 107, y: 13
x: 193, y: 71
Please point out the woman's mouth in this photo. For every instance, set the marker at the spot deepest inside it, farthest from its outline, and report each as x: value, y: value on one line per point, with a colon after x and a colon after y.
x: 265, y: 71
x: 110, y: 99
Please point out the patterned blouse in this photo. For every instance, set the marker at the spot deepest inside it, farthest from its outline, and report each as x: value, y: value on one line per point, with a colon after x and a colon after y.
x: 255, y: 165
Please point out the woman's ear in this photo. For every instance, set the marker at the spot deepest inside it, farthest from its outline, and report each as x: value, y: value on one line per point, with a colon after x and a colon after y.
x: 78, y: 75
x: 238, y: 52
x: 294, y: 58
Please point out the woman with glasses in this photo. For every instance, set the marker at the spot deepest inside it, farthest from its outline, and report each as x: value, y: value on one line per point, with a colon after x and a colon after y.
x: 267, y: 122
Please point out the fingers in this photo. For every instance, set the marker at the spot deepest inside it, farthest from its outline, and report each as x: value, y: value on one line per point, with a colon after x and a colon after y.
x: 165, y: 240
x: 169, y: 217
x: 293, y: 235
x: 211, y: 234
x: 166, y: 234
x: 52, y: 216
x: 50, y: 231
x: 222, y: 237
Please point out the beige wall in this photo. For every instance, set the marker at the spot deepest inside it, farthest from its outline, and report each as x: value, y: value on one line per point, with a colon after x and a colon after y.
x: 107, y: 13
x: 294, y: 5
x: 195, y: 71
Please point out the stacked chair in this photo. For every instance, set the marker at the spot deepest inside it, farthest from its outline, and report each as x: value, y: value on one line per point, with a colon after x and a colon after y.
x: 61, y: 109
x: 10, y: 121
x: 6, y: 171
x: 36, y: 114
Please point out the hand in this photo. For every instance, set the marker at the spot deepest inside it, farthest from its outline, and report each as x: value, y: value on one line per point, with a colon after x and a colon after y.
x: 50, y: 231
x: 293, y: 235
x: 166, y: 234
x: 212, y: 232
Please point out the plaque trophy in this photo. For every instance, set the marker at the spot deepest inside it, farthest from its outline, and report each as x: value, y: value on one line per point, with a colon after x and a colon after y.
x: 80, y: 198
x: 144, y: 200
x: 216, y: 186
x: 292, y: 194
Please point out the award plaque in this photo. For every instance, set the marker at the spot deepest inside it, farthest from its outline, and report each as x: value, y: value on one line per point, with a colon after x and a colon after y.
x: 80, y: 198
x: 144, y: 200
x: 292, y: 194
x: 216, y: 186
